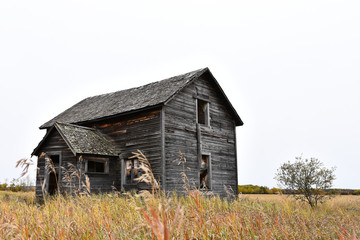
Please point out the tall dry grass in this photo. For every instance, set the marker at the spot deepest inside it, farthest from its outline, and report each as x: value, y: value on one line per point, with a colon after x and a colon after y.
x: 114, y: 216
x: 156, y: 215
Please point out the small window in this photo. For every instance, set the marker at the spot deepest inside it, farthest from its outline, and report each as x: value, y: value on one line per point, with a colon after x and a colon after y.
x: 96, y: 165
x: 205, y: 176
x: 203, y: 112
x: 131, y: 171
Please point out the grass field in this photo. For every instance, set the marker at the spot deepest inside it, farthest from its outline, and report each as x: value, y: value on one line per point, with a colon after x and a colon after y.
x: 191, y: 217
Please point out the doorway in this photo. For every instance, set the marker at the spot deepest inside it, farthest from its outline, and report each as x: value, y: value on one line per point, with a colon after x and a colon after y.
x: 54, y: 174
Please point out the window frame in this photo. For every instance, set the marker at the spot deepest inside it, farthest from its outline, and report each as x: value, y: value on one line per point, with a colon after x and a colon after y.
x: 103, y: 160
x: 133, y: 175
x: 202, y: 102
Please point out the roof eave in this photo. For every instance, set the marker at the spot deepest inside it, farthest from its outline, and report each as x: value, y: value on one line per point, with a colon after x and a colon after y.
x: 35, y: 151
x: 110, y: 116
x: 238, y: 121
x: 99, y: 155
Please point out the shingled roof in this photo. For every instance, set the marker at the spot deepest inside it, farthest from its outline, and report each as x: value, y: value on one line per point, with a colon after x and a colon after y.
x: 82, y: 140
x: 111, y: 104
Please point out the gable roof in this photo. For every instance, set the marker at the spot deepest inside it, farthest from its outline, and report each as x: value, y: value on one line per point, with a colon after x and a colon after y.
x: 124, y: 101
x: 115, y: 103
x: 82, y: 140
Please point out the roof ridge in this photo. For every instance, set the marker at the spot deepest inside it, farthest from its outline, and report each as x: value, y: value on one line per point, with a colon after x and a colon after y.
x: 147, y: 84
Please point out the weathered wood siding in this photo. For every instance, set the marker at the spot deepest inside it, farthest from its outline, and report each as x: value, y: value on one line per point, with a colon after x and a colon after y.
x: 218, y: 140
x: 104, y: 182
x: 54, y: 143
x: 160, y: 133
x: 98, y: 182
x: 137, y: 131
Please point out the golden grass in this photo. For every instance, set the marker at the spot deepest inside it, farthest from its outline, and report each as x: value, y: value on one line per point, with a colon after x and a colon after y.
x: 345, y: 199
x: 114, y: 216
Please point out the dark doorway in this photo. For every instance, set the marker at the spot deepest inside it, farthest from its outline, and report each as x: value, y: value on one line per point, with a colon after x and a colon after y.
x: 54, y: 174
x: 205, y: 178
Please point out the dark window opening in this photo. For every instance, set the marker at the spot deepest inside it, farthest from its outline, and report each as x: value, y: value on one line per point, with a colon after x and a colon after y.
x: 96, y: 165
x: 132, y: 168
x: 202, y: 112
x: 205, y: 181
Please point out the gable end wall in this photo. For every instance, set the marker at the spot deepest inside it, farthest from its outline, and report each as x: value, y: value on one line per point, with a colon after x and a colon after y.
x: 54, y: 144
x: 218, y: 140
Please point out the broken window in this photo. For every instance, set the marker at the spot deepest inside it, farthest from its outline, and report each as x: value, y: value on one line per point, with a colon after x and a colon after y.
x: 203, y: 112
x: 96, y: 165
x: 131, y: 171
x: 205, y: 179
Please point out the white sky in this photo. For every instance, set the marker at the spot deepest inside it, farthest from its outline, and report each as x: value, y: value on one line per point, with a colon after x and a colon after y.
x: 290, y: 68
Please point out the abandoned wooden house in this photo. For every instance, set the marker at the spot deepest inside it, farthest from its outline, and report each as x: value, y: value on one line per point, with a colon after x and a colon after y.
x: 188, y: 113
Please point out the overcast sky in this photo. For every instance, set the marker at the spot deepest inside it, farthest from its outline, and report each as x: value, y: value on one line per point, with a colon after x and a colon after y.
x: 290, y: 68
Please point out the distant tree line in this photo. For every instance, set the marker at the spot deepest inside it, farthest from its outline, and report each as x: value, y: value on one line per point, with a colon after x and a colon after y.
x: 254, y: 189
x: 17, y: 185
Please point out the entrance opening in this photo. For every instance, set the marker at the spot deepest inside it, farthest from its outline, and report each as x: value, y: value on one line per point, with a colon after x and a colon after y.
x: 54, y: 175
x: 205, y: 181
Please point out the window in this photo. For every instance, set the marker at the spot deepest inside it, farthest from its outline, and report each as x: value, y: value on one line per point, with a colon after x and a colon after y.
x: 203, y: 112
x: 96, y: 165
x: 131, y: 171
x: 205, y: 172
